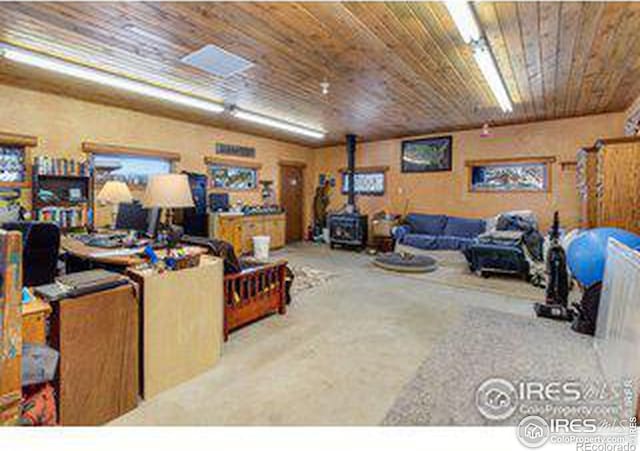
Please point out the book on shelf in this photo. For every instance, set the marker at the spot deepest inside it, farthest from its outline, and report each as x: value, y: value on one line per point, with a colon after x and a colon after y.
x: 64, y: 217
x: 61, y: 166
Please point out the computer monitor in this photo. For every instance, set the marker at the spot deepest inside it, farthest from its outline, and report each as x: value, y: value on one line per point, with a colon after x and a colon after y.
x: 132, y: 216
x: 219, y: 201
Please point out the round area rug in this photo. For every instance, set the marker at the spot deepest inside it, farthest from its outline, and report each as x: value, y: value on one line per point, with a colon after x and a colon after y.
x: 405, y: 262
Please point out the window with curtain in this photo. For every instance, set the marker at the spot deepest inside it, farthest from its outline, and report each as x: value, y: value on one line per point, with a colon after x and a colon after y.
x: 133, y: 170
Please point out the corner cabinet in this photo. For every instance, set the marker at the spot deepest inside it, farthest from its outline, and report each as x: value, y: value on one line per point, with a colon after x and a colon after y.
x: 239, y: 230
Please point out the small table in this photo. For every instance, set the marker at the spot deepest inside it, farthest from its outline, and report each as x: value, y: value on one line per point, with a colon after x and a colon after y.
x: 34, y: 321
x: 405, y: 262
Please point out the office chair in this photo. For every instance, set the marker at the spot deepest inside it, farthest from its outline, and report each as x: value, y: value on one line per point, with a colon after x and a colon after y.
x: 40, y: 248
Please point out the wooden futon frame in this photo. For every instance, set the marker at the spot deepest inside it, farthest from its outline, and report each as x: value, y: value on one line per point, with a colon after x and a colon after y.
x: 252, y: 294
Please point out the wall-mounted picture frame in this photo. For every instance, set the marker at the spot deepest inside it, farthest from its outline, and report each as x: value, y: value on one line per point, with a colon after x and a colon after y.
x: 427, y: 154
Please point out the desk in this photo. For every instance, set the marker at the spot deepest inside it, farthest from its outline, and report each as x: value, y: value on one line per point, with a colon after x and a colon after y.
x: 80, y: 250
x: 92, y: 254
x: 182, y: 320
x: 34, y: 321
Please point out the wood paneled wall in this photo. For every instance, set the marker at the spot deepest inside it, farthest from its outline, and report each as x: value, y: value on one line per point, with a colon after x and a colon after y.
x: 447, y: 192
x: 62, y: 124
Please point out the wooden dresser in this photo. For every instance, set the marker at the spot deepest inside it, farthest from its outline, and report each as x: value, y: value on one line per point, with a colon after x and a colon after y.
x: 239, y: 229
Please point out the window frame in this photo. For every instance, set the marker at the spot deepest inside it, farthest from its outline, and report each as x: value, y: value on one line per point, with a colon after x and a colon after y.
x: 363, y: 171
x: 546, y: 162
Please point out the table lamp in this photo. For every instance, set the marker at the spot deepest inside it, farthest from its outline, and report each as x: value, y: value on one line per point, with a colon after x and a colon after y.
x: 115, y: 192
x: 168, y: 191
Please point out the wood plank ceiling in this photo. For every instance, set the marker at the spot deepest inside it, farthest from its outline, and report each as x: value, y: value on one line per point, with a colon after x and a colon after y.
x: 395, y: 69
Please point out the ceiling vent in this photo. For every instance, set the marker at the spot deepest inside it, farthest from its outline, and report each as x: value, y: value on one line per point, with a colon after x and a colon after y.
x: 217, y: 61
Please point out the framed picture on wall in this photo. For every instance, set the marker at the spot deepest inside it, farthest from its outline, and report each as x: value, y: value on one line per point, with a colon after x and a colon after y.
x: 427, y: 154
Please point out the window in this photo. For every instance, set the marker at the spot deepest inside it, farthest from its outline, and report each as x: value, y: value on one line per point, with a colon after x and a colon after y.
x: 235, y: 178
x: 504, y: 176
x: 365, y: 183
x: 133, y: 170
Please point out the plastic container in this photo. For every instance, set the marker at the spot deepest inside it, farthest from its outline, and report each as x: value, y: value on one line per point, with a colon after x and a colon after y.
x: 261, y: 247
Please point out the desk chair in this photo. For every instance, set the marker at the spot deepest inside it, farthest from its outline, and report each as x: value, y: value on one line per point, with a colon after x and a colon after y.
x: 40, y: 248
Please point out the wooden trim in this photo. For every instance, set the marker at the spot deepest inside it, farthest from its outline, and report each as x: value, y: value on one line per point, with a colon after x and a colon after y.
x: 497, y: 161
x: 361, y: 169
x: 294, y: 163
x: 14, y: 139
x: 226, y: 161
x: 623, y: 139
x: 566, y: 165
x: 111, y: 149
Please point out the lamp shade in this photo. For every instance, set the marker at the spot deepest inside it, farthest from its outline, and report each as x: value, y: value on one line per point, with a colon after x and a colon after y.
x: 115, y: 192
x: 168, y: 191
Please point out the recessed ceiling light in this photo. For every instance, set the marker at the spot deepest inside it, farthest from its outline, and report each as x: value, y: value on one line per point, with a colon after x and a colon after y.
x: 217, y: 61
x: 104, y: 78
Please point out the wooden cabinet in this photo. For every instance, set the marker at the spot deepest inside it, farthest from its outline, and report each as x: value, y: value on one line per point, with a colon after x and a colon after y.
x: 239, y: 230
x: 231, y: 231
x: 97, y: 337
x: 609, y: 184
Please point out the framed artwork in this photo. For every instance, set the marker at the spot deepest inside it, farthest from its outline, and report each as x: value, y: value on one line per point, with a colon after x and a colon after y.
x: 234, y: 178
x: 506, y: 176
x: 427, y: 154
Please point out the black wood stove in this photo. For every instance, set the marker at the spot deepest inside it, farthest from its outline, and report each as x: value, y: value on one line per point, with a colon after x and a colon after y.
x: 349, y: 228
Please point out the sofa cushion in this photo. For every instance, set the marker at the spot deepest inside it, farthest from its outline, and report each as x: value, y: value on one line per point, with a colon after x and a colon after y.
x: 463, y: 227
x: 453, y: 243
x: 426, y: 224
x: 420, y: 241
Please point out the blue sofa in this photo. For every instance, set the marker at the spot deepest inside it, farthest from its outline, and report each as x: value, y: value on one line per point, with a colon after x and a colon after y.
x: 438, y: 232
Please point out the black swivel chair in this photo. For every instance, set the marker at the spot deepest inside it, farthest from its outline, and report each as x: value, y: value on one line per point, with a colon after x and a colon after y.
x: 40, y: 248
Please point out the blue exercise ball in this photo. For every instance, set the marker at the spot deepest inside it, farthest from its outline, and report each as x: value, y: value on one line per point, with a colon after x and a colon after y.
x: 587, y: 252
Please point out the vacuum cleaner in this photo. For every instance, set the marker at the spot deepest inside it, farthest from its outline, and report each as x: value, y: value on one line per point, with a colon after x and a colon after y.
x: 557, y: 292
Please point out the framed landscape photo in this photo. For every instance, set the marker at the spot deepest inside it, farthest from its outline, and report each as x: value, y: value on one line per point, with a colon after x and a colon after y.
x: 427, y: 154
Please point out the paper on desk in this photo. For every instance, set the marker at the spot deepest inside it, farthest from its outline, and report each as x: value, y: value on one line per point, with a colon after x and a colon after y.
x: 117, y: 252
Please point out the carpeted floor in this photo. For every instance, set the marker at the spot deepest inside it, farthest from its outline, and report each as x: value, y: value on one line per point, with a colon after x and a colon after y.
x: 509, y: 347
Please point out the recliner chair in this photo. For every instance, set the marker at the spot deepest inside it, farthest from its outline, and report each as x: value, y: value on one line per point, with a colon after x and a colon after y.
x: 40, y: 249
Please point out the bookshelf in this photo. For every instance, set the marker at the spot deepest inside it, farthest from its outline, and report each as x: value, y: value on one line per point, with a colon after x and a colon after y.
x: 62, y: 192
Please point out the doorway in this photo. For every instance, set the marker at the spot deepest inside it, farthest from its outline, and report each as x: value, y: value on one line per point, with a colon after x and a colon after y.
x: 292, y: 198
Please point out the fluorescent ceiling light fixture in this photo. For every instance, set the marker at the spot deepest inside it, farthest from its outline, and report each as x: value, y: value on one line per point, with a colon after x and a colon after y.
x: 277, y: 123
x: 487, y: 65
x: 462, y: 15
x: 93, y: 75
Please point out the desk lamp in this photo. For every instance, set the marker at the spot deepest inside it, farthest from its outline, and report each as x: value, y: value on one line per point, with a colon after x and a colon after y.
x: 168, y: 191
x: 115, y: 192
